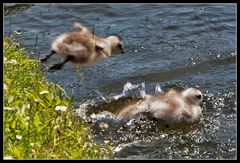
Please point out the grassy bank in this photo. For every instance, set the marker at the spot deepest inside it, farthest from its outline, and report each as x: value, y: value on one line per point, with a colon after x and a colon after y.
x: 38, y: 119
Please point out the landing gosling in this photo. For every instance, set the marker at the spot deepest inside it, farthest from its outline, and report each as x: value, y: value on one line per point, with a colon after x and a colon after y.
x: 171, y: 108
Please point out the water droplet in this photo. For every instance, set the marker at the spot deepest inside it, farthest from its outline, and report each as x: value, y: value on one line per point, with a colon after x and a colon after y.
x: 233, y: 54
x: 103, y: 126
x: 106, y: 141
x: 162, y: 136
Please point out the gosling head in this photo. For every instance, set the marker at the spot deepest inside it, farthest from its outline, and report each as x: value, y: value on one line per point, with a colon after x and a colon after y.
x: 193, y: 95
x: 116, y: 43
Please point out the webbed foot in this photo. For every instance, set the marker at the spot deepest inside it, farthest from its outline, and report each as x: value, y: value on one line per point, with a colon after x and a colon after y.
x: 55, y: 67
x: 43, y: 59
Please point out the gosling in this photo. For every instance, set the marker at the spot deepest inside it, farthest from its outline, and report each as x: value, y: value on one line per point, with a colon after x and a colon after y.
x: 169, y: 109
x: 83, y: 48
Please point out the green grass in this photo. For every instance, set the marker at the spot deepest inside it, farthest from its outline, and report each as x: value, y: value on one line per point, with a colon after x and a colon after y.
x: 33, y: 128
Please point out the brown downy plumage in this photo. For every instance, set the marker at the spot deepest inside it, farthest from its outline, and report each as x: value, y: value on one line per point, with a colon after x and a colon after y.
x: 83, y: 47
x: 172, y: 107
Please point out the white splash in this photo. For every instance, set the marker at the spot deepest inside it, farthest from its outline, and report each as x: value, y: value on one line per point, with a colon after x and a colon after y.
x: 82, y: 110
x: 101, y: 95
x: 128, y: 86
x: 158, y: 89
x: 104, y: 115
x: 143, y: 91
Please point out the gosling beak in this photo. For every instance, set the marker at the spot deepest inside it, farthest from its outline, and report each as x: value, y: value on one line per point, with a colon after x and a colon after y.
x: 204, y: 100
x: 121, y: 48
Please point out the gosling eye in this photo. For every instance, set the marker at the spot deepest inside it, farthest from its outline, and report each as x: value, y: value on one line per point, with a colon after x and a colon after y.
x: 199, y: 96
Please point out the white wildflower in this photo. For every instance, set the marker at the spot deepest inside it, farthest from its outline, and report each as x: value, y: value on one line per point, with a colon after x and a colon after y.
x: 8, y: 108
x: 27, y: 118
x: 12, y: 61
x: 5, y: 87
x: 22, y: 111
x: 43, y: 92
x: 19, y: 137
x: 37, y: 100
x: 58, y: 119
x: 8, y: 158
x: 5, y: 59
x: 61, y: 108
x: 87, y: 145
x: 26, y: 106
x: 10, y: 99
x: 38, y: 145
x: 56, y: 127
x: 79, y: 139
x: 89, y: 136
x: 35, y: 145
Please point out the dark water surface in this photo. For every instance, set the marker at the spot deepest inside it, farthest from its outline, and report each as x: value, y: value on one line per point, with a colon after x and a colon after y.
x: 166, y: 44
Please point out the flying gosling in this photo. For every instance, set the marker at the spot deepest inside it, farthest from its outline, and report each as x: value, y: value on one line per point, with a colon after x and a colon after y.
x: 82, y: 47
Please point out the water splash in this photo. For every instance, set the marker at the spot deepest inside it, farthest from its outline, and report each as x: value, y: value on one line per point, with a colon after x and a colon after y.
x: 83, y: 109
x: 127, y: 87
x: 101, y: 95
x: 158, y: 89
